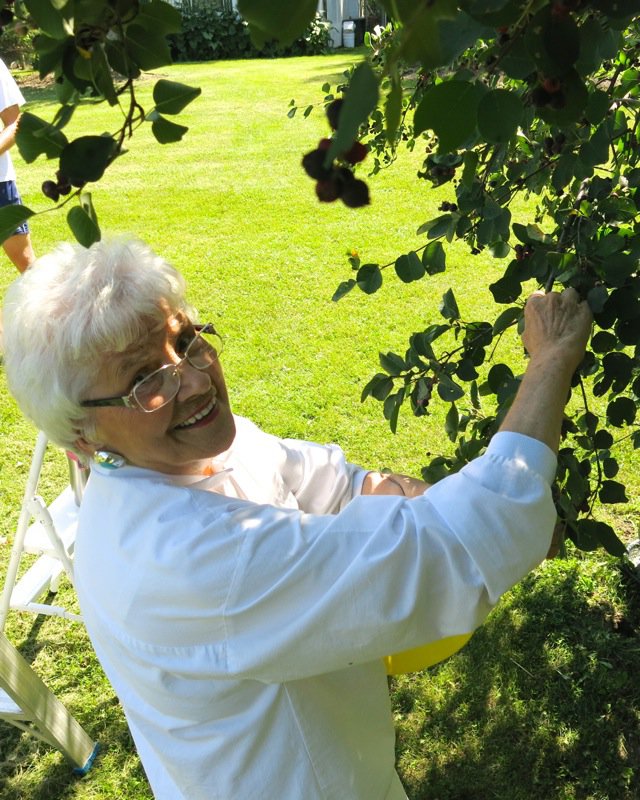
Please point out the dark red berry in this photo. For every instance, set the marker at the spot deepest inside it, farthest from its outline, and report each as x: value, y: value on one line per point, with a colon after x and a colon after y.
x: 324, y: 144
x: 356, y: 154
x: 540, y: 96
x: 313, y: 163
x: 328, y: 190
x: 551, y: 85
x: 356, y: 194
x: 64, y: 185
x: 50, y: 190
x: 558, y: 100
x: 333, y: 112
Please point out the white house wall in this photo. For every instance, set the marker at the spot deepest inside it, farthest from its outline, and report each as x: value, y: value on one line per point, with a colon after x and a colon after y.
x: 337, y: 11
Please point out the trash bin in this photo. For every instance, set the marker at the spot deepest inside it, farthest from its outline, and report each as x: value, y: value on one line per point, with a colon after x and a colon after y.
x: 348, y: 33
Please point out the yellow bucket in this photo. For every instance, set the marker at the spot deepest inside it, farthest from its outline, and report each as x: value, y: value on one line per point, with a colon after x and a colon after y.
x: 425, y: 656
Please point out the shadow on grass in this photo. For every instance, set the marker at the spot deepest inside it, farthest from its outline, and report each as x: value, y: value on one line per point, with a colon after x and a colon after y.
x: 30, y: 768
x: 543, y: 704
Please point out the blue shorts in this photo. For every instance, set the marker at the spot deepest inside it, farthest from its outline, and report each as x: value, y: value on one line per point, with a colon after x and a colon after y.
x: 9, y: 196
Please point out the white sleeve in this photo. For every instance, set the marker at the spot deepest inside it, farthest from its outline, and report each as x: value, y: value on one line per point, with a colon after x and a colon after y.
x: 10, y: 94
x: 312, y: 594
x: 319, y: 476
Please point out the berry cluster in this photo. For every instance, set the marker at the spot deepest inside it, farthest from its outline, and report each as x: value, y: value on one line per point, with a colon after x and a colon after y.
x: 447, y: 206
x: 61, y: 186
x: 523, y: 251
x: 337, y: 180
x: 549, y: 92
x: 554, y: 144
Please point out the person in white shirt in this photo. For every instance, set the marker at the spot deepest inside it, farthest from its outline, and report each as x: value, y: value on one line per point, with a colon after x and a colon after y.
x: 242, y: 591
x: 18, y: 247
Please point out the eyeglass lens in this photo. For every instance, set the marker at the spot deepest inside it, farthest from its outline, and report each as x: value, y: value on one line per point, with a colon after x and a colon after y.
x: 161, y: 386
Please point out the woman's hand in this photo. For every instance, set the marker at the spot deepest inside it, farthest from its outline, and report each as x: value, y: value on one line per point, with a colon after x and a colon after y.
x: 557, y: 326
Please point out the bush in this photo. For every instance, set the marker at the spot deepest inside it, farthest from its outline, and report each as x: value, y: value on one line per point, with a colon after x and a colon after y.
x: 16, y: 47
x: 212, y: 34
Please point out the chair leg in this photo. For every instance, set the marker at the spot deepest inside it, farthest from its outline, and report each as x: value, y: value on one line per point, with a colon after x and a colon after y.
x: 50, y: 718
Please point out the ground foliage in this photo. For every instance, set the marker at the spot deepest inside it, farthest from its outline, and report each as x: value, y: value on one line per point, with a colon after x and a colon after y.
x: 209, y: 33
x: 510, y: 98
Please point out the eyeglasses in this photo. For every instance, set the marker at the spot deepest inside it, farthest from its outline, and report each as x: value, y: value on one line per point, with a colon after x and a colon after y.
x: 160, y: 387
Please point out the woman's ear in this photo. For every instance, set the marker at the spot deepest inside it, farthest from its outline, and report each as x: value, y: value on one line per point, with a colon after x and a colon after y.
x: 85, y: 447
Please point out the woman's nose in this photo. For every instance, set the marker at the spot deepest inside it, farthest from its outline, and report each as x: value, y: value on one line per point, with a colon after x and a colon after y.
x: 192, y: 381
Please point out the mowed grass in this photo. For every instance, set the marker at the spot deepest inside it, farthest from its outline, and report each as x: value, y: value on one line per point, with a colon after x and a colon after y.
x: 543, y: 703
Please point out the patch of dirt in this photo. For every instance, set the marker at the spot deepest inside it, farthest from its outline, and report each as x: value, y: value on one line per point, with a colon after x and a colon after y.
x: 33, y: 81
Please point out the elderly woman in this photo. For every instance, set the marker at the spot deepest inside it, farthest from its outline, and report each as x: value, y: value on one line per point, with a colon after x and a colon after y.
x: 241, y: 590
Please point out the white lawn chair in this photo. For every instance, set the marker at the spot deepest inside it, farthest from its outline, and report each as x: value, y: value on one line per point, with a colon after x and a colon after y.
x: 49, y: 533
x: 26, y: 703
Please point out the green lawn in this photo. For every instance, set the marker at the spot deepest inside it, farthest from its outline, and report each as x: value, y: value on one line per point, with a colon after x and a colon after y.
x: 544, y: 702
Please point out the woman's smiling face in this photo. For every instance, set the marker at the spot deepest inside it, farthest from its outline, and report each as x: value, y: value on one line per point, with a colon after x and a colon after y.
x: 182, y: 436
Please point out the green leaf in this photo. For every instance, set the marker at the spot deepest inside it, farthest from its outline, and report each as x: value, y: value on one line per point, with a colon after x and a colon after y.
x: 621, y: 411
x: 596, y: 149
x: 148, y: 48
x: 48, y: 18
x: 612, y: 492
x: 610, y: 467
x: 506, y: 319
x: 420, y: 40
x: 391, y: 408
x: 379, y: 387
x: 596, y: 298
x: 100, y: 75
x: 443, y: 225
x: 409, y: 267
x: 36, y: 137
x: 499, y: 115
x: 499, y: 377
x: 171, y: 97
x: 11, y: 217
x: 276, y: 19
x: 86, y: 158
x: 448, y: 306
x: 600, y: 533
x: 369, y: 278
x: 159, y: 16
x: 530, y: 234
x: 602, y: 440
x: 450, y: 110
x: 449, y: 390
x: 451, y: 422
x: 393, y: 109
x: 434, y: 258
x: 603, y: 342
x: 359, y: 101
x: 471, y: 159
x: 50, y: 52
x: 343, y: 288
x: 83, y: 227
x: 166, y: 131
x: 392, y: 363
x: 506, y: 290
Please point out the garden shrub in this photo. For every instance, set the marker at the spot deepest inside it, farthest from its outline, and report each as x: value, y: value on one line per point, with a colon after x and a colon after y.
x: 212, y: 34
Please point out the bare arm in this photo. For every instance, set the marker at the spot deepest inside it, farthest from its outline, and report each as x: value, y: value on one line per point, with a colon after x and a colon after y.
x: 556, y: 332
x: 393, y: 483
x: 10, y: 117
